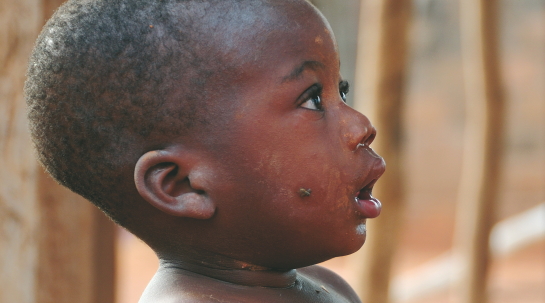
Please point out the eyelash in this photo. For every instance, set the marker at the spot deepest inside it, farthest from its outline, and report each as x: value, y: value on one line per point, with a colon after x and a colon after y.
x: 314, y: 95
x: 315, y: 91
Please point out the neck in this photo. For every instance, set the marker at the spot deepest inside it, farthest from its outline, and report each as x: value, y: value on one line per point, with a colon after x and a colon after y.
x: 229, y: 270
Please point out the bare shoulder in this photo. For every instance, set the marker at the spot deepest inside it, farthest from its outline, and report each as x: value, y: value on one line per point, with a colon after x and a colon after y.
x: 330, y: 281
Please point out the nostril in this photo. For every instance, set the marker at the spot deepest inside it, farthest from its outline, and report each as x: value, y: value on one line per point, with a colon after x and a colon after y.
x: 367, y: 139
x: 370, y: 138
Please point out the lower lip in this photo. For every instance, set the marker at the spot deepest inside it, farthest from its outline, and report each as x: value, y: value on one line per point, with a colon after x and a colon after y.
x: 369, y: 208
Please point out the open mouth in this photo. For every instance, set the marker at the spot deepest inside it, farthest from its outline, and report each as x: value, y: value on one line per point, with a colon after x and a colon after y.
x: 368, y: 205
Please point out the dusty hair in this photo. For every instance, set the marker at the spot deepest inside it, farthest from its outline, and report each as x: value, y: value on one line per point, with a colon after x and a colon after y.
x: 106, y: 80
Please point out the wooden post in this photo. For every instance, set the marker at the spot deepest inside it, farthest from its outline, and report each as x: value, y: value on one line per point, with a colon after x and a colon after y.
x: 76, y: 247
x: 54, y: 246
x: 380, y: 77
x: 483, y: 145
x: 18, y: 214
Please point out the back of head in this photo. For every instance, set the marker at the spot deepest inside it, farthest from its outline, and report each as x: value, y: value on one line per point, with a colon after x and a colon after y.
x: 109, y: 80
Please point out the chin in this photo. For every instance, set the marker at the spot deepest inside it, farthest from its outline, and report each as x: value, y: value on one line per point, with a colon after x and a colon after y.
x: 338, y: 245
x: 361, y: 230
x: 348, y: 246
x: 355, y: 243
x: 315, y: 258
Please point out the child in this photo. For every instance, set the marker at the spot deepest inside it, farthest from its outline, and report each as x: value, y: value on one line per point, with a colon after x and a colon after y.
x: 214, y: 130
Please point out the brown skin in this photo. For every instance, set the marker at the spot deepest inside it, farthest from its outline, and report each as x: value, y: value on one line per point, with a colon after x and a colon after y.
x: 231, y: 225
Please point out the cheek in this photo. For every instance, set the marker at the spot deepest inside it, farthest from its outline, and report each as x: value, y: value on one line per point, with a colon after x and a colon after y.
x: 330, y: 170
x: 323, y: 177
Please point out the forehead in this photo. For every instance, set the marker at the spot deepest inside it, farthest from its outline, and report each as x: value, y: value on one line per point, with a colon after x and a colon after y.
x: 274, y: 32
x: 255, y: 49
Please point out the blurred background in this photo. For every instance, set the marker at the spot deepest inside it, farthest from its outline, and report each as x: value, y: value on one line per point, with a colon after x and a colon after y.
x: 433, y: 122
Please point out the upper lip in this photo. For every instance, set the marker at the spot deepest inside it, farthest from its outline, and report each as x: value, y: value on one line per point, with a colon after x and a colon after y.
x: 368, y: 148
x: 374, y: 173
x: 370, y: 185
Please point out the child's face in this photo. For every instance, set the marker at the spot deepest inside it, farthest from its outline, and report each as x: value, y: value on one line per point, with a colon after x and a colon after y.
x: 289, y: 129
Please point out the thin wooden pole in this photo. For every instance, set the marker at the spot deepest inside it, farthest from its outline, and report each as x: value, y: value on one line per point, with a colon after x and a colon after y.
x: 380, y: 76
x: 65, y: 257
x: 18, y: 216
x: 75, y: 248
x: 483, y: 145
x: 54, y: 246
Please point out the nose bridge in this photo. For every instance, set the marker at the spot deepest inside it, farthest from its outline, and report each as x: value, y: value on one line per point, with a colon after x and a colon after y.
x: 358, y: 130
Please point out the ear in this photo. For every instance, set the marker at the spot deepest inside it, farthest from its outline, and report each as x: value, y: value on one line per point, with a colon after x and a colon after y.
x: 164, y: 179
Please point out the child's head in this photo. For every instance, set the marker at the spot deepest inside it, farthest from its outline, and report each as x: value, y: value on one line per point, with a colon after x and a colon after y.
x: 214, y: 126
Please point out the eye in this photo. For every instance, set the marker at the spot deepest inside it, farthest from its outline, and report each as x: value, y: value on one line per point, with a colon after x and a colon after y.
x: 312, y: 98
x: 344, y: 88
x: 314, y: 103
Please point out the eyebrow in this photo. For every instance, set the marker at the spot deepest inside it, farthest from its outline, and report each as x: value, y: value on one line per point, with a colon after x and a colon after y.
x: 296, y: 72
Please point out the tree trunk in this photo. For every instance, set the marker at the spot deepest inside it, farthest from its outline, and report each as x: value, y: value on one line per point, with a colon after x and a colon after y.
x: 380, y: 75
x: 483, y: 146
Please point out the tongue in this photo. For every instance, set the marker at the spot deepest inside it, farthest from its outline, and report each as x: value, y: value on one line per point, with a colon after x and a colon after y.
x: 368, y: 206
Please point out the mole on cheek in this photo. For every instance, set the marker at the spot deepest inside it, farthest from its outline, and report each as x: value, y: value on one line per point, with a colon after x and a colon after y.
x: 304, y: 192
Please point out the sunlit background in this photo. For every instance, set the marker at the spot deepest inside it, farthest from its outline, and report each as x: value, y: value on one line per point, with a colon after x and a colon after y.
x: 434, y: 124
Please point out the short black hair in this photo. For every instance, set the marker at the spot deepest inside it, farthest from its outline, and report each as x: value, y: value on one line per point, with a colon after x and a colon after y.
x: 101, y: 83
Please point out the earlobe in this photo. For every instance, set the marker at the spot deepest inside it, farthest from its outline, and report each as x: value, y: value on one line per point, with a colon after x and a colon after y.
x: 162, y: 177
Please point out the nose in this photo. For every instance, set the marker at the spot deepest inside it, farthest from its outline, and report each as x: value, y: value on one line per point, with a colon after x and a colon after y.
x: 359, y: 131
